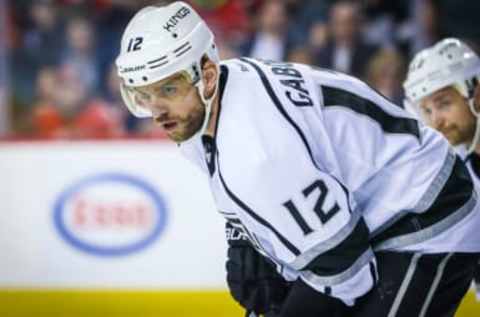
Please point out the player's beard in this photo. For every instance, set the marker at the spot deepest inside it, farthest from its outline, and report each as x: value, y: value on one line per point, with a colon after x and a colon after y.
x: 459, y: 135
x: 188, y: 125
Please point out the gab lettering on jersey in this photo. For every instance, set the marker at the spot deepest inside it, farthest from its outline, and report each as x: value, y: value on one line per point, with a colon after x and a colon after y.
x: 293, y: 80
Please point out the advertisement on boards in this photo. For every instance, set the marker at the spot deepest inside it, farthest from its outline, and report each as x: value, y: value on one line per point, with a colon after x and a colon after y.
x: 110, y: 214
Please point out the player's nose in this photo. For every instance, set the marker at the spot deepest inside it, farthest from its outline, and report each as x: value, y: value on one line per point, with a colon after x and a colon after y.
x: 158, y: 108
x: 437, y: 119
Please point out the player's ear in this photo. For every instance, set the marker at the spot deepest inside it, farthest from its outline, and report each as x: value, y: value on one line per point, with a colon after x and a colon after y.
x: 210, y: 75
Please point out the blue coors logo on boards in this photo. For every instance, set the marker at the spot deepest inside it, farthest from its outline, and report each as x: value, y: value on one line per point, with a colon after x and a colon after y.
x: 110, y: 214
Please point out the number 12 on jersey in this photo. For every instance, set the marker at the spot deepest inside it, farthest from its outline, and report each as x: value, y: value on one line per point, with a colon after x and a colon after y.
x: 324, y: 215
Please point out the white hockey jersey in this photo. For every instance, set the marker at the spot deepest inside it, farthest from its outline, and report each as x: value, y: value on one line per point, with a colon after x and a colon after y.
x: 319, y: 170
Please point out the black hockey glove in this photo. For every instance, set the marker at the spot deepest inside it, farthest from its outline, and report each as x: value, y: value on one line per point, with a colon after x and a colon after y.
x: 253, y: 280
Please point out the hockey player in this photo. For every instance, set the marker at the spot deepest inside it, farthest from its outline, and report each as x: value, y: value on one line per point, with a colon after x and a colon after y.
x: 362, y: 210
x: 442, y: 89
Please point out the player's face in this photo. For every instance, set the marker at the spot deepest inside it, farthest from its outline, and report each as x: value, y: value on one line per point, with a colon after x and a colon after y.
x: 447, y: 111
x: 175, y: 105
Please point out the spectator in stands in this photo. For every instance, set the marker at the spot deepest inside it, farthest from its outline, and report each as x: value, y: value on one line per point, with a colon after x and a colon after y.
x: 316, y: 39
x: 386, y: 72
x: 40, y: 46
x: 228, y: 18
x: 46, y: 120
x: 345, y: 50
x: 230, y: 21
x: 329, y: 33
x: 45, y: 34
x: 66, y: 111
x: 385, y: 21
x: 308, y: 17
x: 270, y: 40
x: 80, y: 53
x: 98, y: 121
x: 227, y: 50
x: 46, y: 86
x: 426, y: 25
x: 300, y: 54
x: 318, y: 36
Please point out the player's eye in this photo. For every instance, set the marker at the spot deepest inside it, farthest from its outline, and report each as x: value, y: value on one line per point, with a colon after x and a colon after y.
x: 168, y: 90
x: 426, y: 111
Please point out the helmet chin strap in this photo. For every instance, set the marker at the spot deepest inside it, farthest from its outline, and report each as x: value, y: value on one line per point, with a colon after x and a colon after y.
x: 207, y: 102
x: 476, y: 136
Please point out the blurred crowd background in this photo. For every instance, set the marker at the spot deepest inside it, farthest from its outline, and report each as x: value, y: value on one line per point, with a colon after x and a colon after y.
x: 57, y: 73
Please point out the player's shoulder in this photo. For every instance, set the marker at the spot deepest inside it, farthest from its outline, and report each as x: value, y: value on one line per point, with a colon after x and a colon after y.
x: 236, y: 67
x: 268, y: 68
x: 261, y: 117
x: 239, y: 82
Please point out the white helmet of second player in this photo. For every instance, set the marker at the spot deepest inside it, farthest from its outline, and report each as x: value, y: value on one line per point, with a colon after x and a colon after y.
x: 448, y: 63
x: 159, y: 42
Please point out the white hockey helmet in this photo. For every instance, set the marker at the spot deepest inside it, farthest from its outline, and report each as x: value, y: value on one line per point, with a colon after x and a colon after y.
x: 159, y: 42
x: 448, y: 63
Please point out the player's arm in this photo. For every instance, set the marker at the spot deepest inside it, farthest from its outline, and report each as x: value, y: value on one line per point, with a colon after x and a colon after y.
x: 315, y: 231
x: 334, y: 272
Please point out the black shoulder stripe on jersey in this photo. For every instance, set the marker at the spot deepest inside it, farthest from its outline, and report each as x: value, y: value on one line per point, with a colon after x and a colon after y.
x: 333, y: 96
x: 474, y: 160
x: 342, y: 256
x: 255, y: 216
x: 456, y: 192
x: 279, y: 105
x: 222, y: 82
x: 373, y: 272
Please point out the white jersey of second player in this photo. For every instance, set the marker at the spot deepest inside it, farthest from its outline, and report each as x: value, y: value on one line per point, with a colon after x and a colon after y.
x: 319, y: 170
